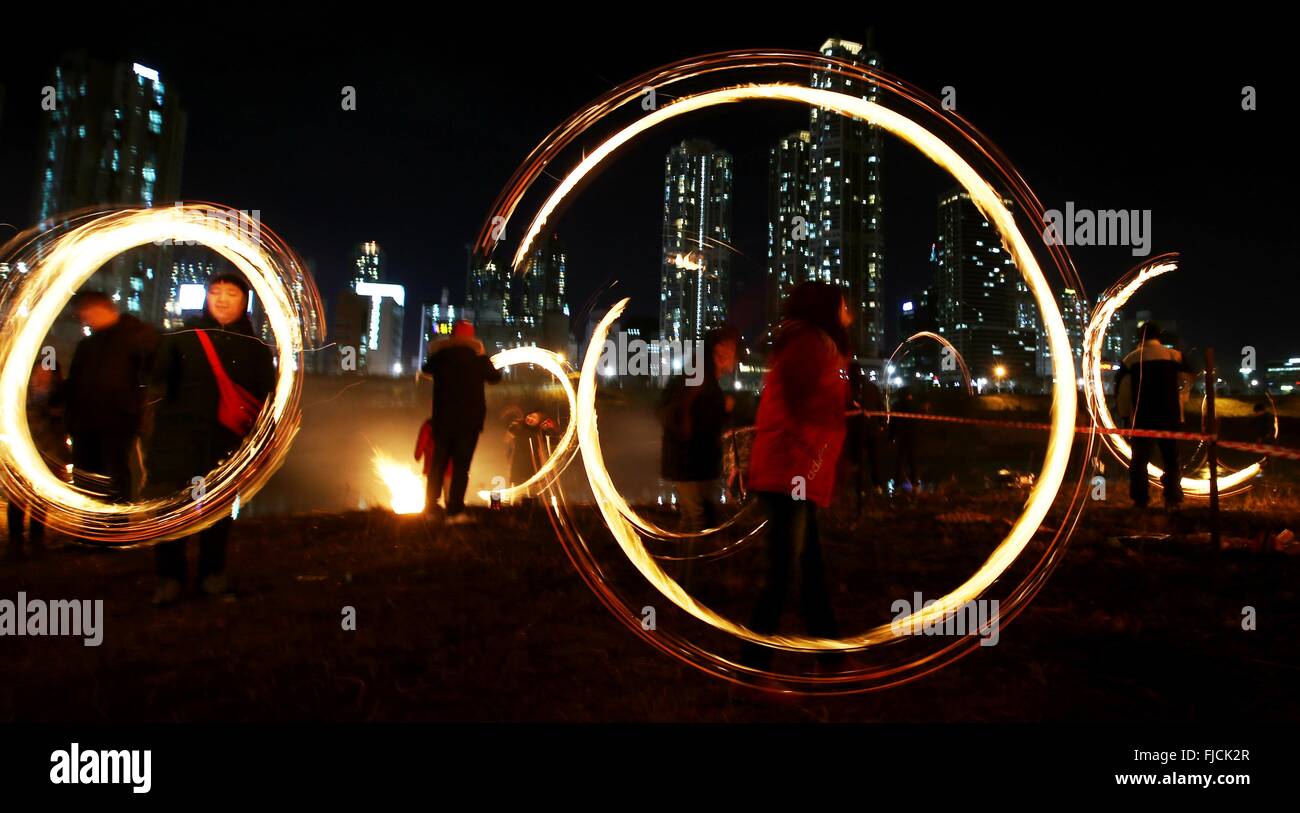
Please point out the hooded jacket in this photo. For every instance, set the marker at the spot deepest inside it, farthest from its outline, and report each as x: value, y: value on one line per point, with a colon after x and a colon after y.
x: 800, y: 427
x: 459, y: 368
x: 1148, y: 387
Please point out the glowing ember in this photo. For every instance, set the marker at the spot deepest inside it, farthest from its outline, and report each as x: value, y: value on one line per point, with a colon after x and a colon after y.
x: 406, y: 486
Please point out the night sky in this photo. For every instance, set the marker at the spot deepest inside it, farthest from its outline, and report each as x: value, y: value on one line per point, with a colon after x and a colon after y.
x: 1109, y: 114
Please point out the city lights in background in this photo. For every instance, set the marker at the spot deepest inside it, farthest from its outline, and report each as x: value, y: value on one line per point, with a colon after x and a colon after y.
x: 614, y: 507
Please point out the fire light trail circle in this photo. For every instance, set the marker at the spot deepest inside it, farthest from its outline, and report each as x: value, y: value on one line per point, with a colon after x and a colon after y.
x: 943, y: 342
x: 560, y: 456
x: 1094, y: 340
x: 614, y: 508
x: 57, y: 266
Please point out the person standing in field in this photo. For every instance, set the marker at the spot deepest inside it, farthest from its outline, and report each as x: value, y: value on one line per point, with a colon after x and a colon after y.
x: 460, y: 369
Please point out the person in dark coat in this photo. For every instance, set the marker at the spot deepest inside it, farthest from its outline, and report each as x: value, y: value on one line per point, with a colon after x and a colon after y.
x: 1263, y: 425
x: 694, y: 415
x: 45, y: 420
x: 105, y: 393
x: 862, y: 440
x: 460, y: 368
x: 188, y: 439
x: 903, y: 434
x: 1152, y: 376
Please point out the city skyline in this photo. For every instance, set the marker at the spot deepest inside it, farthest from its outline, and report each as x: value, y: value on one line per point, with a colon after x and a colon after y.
x: 599, y: 251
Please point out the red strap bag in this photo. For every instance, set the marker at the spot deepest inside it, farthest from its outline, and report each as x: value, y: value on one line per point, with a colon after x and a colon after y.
x: 237, y: 409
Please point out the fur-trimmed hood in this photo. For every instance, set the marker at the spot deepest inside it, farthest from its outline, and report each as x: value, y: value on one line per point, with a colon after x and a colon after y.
x: 457, y: 341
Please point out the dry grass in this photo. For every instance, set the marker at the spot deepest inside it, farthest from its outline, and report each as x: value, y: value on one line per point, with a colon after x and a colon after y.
x: 491, y: 622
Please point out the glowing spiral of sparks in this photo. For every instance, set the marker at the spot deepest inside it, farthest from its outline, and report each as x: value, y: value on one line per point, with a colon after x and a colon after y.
x: 564, y: 449
x: 57, y: 265
x: 1094, y: 341
x: 945, y: 344
x: 614, y: 509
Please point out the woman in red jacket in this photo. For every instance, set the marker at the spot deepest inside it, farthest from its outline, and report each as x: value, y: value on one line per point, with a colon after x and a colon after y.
x: 797, y: 439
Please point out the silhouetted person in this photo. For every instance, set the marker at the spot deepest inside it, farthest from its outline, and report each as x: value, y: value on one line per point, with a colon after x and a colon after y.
x: 1262, y: 424
x: 903, y: 433
x: 862, y: 442
x: 460, y: 369
x: 212, y: 379
x: 45, y: 420
x: 1148, y: 383
x: 424, y: 451
x: 694, y: 411
x: 797, y: 441
x: 105, y: 393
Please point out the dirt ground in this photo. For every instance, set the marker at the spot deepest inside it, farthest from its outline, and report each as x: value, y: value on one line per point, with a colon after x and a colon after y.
x: 490, y: 622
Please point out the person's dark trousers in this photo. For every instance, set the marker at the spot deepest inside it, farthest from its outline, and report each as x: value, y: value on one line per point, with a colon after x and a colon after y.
x: 16, y: 516
x: 107, y: 454
x: 872, y: 449
x: 791, y: 535
x: 212, y: 553
x: 35, y: 533
x: 459, y: 449
x: 695, y: 500
x: 1138, y: 486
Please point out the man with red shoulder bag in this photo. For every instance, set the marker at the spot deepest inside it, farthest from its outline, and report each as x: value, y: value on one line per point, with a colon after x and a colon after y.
x: 211, y: 381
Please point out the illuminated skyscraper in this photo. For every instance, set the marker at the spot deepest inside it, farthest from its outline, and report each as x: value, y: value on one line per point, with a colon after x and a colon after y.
x: 980, y: 302
x: 789, y: 197
x: 696, y: 273
x: 367, y: 262
x: 848, y: 246
x: 436, y: 320
x: 543, y: 310
x: 1074, y: 312
x: 113, y: 135
x: 368, y: 317
x: 487, y: 295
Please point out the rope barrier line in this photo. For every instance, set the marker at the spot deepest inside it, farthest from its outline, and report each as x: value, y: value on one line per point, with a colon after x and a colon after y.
x: 1258, y: 448
x: 1262, y: 448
